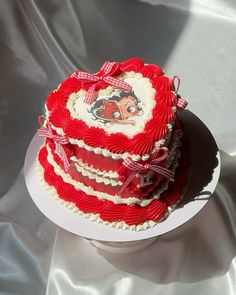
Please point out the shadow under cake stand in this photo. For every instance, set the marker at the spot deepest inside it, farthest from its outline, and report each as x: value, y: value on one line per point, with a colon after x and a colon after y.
x: 205, y: 171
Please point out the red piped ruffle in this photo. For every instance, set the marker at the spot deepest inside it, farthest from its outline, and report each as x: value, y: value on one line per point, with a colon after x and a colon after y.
x: 56, y: 99
x: 59, y: 117
x: 143, y: 145
x: 102, y: 163
x: 151, y: 71
x: 162, y: 83
x: 132, y: 64
x: 124, y: 143
x: 75, y: 129
x: 71, y: 85
x: 91, y: 138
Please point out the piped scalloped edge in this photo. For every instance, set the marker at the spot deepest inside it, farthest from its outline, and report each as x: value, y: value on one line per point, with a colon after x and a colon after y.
x: 97, y: 178
x: 95, y: 217
x: 104, y: 173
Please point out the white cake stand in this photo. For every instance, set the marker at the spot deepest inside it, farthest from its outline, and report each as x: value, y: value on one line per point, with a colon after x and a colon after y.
x: 205, y: 170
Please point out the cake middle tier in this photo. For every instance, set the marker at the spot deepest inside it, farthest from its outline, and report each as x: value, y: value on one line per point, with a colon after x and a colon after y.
x: 99, y: 176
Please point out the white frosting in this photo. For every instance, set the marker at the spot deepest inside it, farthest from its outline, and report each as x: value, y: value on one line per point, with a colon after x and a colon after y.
x: 142, y: 88
x: 104, y: 173
x: 95, y: 217
x: 97, y: 178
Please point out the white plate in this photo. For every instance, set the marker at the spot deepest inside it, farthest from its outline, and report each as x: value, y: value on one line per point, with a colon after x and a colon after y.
x: 204, y: 177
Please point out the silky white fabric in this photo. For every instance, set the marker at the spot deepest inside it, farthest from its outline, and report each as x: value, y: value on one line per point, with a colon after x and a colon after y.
x: 42, y: 42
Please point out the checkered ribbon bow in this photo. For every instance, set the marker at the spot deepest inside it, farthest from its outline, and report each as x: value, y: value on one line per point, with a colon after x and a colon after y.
x: 143, y: 170
x: 105, y: 74
x: 59, y: 140
x: 181, y: 103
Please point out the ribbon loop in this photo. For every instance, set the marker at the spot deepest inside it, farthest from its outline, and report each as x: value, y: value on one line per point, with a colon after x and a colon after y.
x: 156, y: 157
x: 145, y: 170
x: 59, y: 140
x: 176, y: 82
x: 109, y: 68
x: 181, y: 103
x: 104, y: 74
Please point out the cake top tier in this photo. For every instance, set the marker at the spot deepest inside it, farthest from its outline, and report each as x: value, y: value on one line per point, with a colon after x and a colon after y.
x: 128, y: 107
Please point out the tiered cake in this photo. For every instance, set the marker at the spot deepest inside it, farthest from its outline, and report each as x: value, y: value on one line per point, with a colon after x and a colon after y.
x: 112, y: 148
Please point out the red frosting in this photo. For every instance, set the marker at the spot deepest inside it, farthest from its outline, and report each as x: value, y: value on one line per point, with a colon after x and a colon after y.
x: 142, y: 143
x: 107, y: 210
x: 102, y: 163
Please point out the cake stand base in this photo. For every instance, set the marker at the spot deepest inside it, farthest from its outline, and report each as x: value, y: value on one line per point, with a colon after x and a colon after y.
x: 123, y: 247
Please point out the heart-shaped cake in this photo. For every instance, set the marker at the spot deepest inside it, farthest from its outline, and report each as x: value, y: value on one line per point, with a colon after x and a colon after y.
x: 112, y: 148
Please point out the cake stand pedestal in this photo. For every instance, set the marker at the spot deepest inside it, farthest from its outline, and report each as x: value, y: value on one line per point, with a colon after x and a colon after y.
x: 124, y: 247
x: 205, y: 171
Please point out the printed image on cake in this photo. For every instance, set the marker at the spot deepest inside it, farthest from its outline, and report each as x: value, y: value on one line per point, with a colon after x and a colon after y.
x: 112, y: 148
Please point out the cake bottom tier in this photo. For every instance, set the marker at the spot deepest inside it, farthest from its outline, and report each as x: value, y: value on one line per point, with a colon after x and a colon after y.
x: 131, y: 217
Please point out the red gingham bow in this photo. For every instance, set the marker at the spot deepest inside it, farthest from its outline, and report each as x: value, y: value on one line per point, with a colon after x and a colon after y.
x: 58, y: 139
x: 181, y: 103
x: 105, y: 73
x: 144, y: 169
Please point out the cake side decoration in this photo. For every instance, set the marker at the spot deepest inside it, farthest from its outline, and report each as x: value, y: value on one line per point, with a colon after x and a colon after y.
x: 59, y: 140
x: 145, y: 171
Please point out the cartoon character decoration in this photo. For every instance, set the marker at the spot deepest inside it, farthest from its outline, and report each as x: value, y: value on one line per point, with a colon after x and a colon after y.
x: 117, y: 109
